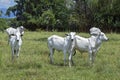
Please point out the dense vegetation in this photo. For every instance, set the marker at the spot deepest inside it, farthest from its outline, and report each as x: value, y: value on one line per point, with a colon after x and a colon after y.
x: 3, y: 24
x: 65, y: 15
x: 33, y: 62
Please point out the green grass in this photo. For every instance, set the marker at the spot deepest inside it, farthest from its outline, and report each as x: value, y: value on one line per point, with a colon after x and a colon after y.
x: 33, y: 62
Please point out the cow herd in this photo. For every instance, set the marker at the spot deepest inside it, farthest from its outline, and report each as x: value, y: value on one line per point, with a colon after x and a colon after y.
x: 68, y: 44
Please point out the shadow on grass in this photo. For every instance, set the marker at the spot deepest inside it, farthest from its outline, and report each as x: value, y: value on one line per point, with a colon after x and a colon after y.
x: 38, y: 39
x: 27, y: 65
x: 58, y: 64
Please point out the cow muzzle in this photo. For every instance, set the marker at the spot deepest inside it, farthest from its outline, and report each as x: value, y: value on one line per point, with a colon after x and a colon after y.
x: 71, y: 39
x: 17, y: 40
x: 107, y: 39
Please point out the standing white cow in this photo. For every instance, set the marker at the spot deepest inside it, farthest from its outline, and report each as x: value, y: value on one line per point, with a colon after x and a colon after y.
x: 12, y: 31
x: 15, y: 43
x: 90, y: 45
x: 60, y: 44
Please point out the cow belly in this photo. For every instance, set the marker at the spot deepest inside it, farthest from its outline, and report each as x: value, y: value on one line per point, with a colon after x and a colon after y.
x: 82, y: 46
x: 58, y: 46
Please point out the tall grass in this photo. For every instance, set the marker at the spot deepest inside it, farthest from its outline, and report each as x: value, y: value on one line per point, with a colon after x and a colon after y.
x: 33, y: 62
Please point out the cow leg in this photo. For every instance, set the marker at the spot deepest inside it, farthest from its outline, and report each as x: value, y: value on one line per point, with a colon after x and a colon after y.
x: 51, y: 55
x: 90, y: 57
x: 94, y: 55
x: 70, y: 58
x: 18, y: 52
x: 64, y: 57
x: 12, y: 53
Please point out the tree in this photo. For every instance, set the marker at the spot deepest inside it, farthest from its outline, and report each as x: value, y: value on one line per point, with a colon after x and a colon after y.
x: 29, y: 12
x: 106, y: 13
x: 48, y: 19
x: 77, y: 15
x: 0, y: 12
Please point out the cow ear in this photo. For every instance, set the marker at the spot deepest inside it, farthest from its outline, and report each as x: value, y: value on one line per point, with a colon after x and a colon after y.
x: 66, y: 34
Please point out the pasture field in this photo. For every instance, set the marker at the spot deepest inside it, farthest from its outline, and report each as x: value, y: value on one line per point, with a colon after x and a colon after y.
x: 33, y: 62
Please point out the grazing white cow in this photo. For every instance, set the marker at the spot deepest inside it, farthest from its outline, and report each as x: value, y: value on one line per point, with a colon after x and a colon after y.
x: 90, y: 45
x: 15, y: 43
x: 60, y: 44
x: 12, y: 31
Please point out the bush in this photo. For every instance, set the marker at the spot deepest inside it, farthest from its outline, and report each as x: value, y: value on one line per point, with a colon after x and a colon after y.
x: 3, y: 24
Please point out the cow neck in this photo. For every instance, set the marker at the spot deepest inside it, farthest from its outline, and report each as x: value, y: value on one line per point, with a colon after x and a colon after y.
x: 95, y: 40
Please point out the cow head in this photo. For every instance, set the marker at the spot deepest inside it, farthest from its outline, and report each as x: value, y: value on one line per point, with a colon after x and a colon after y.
x: 102, y: 36
x: 18, y: 36
x: 71, y: 35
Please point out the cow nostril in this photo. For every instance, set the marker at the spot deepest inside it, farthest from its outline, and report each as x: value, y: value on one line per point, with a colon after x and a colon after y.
x: 71, y: 39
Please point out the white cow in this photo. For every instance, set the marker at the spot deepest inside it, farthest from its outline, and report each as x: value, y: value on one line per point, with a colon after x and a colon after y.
x: 15, y: 43
x: 60, y: 44
x: 12, y: 31
x: 90, y: 45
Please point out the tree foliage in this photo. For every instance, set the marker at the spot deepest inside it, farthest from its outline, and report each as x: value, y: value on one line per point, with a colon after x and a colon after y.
x: 75, y: 15
x: 3, y: 24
